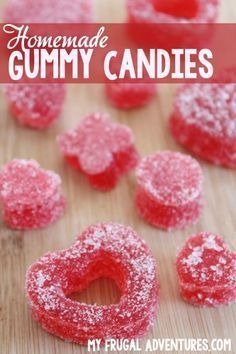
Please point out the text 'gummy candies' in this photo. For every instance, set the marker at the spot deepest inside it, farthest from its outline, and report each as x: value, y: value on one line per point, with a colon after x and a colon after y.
x: 30, y: 196
x: 169, y: 191
x: 204, y: 121
x: 100, y: 149
x: 53, y: 11
x: 174, y: 11
x: 207, y: 271
x: 128, y: 96
x: 36, y: 106
x: 104, y: 250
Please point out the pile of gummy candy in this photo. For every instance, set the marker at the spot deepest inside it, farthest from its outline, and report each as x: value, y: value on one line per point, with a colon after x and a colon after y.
x: 169, y: 188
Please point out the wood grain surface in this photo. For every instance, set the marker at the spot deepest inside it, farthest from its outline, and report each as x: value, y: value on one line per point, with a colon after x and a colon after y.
x: 176, y: 319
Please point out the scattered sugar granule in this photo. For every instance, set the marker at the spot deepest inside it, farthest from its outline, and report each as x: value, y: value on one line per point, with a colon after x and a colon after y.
x: 121, y: 256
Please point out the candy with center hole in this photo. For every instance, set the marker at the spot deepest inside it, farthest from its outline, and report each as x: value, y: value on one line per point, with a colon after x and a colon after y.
x: 36, y: 106
x: 30, y: 196
x: 207, y: 271
x: 169, y: 190
x: 127, y: 96
x: 204, y: 121
x: 104, y: 250
x: 100, y: 149
x: 53, y: 11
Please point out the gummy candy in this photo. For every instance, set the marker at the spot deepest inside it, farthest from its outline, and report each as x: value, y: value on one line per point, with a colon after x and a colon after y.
x: 30, y: 196
x: 53, y: 11
x: 127, y: 96
x: 204, y: 121
x: 177, y: 8
x: 104, y: 250
x: 169, y: 190
x: 207, y: 271
x: 36, y: 106
x: 172, y: 11
x: 149, y: 13
x: 100, y: 149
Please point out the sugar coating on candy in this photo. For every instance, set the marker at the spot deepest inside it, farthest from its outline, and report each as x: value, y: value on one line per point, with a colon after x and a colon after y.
x: 127, y: 96
x: 162, y: 11
x: 204, y: 121
x: 44, y: 11
x: 206, y: 269
x: 101, y: 149
x: 30, y: 196
x: 177, y: 8
x: 36, y: 105
x: 169, y: 190
x: 104, y: 250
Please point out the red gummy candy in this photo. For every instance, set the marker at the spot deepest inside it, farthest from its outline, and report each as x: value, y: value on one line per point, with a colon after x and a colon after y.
x: 169, y: 190
x: 100, y: 149
x: 204, y: 121
x: 172, y: 11
x: 177, y: 8
x: 30, y: 196
x: 104, y: 250
x: 149, y: 13
x: 207, y: 271
x: 36, y: 106
x: 45, y: 11
x: 127, y: 96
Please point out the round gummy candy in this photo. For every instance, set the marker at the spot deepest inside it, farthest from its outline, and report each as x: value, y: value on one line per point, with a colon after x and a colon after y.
x: 204, y: 121
x: 169, y: 190
x: 44, y: 11
x: 30, y: 196
x: 207, y: 271
x: 100, y: 149
x: 177, y: 8
x: 172, y: 11
x: 36, y: 105
x: 127, y: 96
x: 104, y: 250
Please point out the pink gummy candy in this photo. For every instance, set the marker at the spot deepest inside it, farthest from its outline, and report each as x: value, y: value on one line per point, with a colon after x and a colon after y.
x: 100, y: 149
x: 169, y: 190
x: 204, y: 121
x: 172, y: 11
x: 177, y: 8
x: 207, y: 271
x: 45, y: 11
x: 30, y: 196
x: 36, y: 106
x: 104, y: 250
x: 128, y: 96
x: 169, y: 15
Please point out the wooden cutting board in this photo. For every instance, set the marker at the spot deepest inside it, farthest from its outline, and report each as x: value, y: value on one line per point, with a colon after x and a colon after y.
x: 176, y: 319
